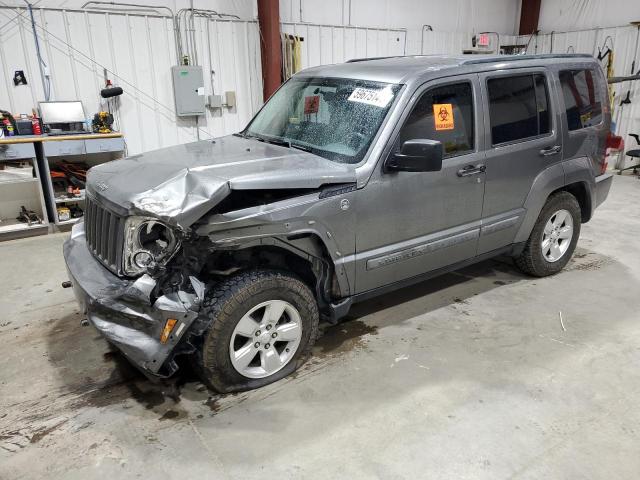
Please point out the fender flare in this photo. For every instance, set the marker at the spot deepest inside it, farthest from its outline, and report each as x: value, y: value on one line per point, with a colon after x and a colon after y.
x: 306, y: 244
x: 547, y: 181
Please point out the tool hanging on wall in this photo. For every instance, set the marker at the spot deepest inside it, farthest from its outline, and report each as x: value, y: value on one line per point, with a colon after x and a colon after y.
x: 627, y: 99
x: 291, y: 55
x: 605, y: 52
x: 19, y: 78
x: 104, y: 121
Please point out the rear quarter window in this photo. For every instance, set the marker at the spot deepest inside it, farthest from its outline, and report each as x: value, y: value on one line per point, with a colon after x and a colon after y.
x: 582, y: 98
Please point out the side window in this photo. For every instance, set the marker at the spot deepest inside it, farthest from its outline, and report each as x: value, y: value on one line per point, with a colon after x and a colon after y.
x: 518, y: 107
x: 444, y: 114
x: 581, y: 98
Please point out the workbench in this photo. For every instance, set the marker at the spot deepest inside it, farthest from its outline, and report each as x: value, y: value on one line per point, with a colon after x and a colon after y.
x: 31, y: 184
x: 20, y: 139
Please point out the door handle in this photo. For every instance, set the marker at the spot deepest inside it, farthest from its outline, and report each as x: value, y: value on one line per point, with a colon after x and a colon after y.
x: 545, y: 152
x: 472, y: 170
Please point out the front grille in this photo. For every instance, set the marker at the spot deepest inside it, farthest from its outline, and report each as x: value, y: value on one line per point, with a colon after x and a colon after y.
x: 104, y: 231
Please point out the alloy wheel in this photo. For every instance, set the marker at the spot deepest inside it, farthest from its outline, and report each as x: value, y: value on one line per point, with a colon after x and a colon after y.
x: 557, y: 235
x: 265, y: 339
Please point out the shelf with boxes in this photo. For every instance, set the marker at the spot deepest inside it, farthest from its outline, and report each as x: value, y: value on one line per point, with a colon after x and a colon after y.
x: 22, y: 205
x: 65, y: 161
x: 46, y: 175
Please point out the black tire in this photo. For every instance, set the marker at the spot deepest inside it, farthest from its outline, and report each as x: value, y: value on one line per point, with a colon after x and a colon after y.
x: 227, y: 303
x: 532, y: 261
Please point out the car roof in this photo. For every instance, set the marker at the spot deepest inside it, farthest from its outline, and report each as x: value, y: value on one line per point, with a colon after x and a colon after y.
x: 402, y: 68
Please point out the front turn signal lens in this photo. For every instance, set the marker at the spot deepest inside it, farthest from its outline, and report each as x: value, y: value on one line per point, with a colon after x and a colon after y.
x: 168, y: 328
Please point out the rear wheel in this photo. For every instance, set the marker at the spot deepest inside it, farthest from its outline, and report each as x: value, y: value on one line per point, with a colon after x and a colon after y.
x: 260, y: 327
x: 553, y: 238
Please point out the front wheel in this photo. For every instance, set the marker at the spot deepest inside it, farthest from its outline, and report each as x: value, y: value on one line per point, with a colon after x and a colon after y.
x: 261, y: 326
x: 553, y: 238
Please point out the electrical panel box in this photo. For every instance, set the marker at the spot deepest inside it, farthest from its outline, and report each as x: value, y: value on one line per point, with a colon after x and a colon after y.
x: 188, y: 90
x: 231, y: 99
x: 215, y: 101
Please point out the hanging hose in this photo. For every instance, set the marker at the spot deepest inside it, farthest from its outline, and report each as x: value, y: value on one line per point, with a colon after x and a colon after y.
x: 46, y: 83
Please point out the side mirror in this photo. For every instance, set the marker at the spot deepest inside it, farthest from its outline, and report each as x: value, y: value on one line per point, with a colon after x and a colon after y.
x: 419, y: 155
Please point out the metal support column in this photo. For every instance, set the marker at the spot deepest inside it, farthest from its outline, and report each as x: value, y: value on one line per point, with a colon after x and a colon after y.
x: 271, y: 50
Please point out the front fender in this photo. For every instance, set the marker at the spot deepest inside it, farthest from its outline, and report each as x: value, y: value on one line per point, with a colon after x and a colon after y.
x: 329, y: 219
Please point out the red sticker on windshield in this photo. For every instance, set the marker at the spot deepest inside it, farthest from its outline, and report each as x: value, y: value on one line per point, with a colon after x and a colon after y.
x: 311, y: 104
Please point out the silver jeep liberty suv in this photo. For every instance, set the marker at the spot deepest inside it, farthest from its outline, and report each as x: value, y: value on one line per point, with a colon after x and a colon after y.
x: 352, y: 180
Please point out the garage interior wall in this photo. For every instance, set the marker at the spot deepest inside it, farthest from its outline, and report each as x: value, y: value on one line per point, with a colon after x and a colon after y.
x: 453, y: 23
x: 137, y: 49
x: 583, y: 27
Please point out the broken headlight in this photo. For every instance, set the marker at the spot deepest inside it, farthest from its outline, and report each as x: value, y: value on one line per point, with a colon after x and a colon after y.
x: 148, y: 243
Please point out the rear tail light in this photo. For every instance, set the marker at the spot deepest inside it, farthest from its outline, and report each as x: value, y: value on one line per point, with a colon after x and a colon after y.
x: 614, y: 143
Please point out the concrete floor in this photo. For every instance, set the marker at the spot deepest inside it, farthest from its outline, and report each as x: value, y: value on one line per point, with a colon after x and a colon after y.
x: 470, y: 375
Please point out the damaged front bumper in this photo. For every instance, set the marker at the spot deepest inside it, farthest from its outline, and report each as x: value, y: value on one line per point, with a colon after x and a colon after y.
x: 123, y: 312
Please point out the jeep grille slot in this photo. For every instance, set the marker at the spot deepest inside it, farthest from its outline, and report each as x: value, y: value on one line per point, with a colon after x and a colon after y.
x: 104, y: 233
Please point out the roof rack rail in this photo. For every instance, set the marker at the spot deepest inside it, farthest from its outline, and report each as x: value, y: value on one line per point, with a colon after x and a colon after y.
x: 482, y: 59
x: 511, y: 58
x: 417, y: 55
x: 366, y: 59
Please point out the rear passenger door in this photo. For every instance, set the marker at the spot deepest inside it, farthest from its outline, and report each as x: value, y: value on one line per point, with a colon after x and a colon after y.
x: 522, y: 140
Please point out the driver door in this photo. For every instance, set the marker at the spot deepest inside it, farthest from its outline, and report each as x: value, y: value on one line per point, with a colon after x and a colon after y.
x: 410, y: 223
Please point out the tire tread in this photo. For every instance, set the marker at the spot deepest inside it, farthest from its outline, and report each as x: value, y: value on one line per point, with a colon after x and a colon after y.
x: 530, y: 261
x: 222, y: 302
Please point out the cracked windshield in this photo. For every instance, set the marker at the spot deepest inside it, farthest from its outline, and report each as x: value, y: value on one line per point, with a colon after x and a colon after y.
x: 334, y: 118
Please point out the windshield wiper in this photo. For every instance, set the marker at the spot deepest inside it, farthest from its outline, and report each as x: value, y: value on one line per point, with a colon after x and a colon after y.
x: 300, y: 147
x: 287, y: 143
x: 276, y: 141
x: 248, y: 135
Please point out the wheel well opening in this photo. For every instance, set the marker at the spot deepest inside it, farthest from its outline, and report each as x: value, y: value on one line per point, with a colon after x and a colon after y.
x: 228, y: 262
x: 315, y: 269
x: 579, y: 190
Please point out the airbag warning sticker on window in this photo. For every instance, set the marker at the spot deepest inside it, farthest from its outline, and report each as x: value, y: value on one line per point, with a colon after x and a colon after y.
x: 378, y: 98
x: 443, y: 116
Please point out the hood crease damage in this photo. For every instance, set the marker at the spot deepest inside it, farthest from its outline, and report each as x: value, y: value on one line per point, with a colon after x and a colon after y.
x: 180, y: 184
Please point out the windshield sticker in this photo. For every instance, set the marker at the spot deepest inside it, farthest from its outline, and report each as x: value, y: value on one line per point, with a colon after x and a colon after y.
x: 311, y: 104
x: 443, y: 116
x: 377, y: 98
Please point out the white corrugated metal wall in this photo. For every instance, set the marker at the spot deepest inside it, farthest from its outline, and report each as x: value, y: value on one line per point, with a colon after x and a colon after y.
x: 138, y: 50
x: 326, y: 44
x: 435, y: 42
x: 626, y: 117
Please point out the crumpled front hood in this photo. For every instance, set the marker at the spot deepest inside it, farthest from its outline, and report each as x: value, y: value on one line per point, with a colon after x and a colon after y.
x: 180, y: 184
